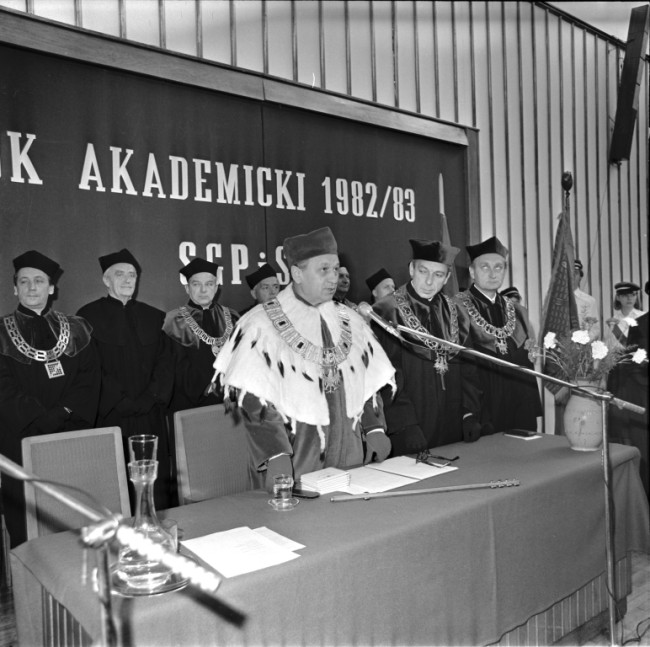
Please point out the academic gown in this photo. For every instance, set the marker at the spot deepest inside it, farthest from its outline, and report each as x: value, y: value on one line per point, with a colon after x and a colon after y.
x: 286, y: 409
x: 33, y: 404
x: 193, y: 358
x: 629, y: 382
x: 510, y: 400
x: 427, y: 410
x: 137, y: 377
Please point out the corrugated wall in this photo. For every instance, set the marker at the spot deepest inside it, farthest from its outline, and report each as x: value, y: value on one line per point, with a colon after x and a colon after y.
x: 540, y: 89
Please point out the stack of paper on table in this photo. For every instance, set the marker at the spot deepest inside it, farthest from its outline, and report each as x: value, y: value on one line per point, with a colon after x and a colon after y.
x: 330, y: 479
x: 242, y: 550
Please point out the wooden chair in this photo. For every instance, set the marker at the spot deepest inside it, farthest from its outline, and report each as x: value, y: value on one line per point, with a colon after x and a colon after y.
x: 212, y: 454
x: 91, y: 460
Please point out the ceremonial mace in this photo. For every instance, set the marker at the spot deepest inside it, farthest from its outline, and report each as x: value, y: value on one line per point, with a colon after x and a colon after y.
x: 107, y: 529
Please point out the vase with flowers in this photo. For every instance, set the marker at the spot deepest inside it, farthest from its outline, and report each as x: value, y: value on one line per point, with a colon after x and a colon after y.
x: 580, y: 360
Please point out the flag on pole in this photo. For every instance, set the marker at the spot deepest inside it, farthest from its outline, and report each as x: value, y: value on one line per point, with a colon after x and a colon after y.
x: 560, y: 312
x: 451, y: 287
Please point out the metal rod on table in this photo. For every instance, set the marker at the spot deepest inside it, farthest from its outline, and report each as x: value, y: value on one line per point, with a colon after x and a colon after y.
x: 493, y: 485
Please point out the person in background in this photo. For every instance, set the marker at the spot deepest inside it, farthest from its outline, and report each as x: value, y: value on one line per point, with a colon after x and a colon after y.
x: 500, y: 328
x: 513, y: 294
x: 380, y: 284
x: 343, y: 285
x: 263, y: 283
x: 306, y: 371
x: 136, y: 362
x: 49, y: 374
x: 587, y: 305
x: 626, y: 307
x: 198, y: 331
x: 629, y: 381
x: 437, y: 401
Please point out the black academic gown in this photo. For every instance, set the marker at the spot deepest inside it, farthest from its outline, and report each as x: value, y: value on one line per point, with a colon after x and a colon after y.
x: 510, y: 400
x: 427, y: 410
x: 629, y: 381
x: 193, y: 358
x: 137, y: 377
x: 32, y: 404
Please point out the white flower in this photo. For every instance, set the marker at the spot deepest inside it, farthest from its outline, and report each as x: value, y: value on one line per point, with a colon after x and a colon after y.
x: 580, y: 337
x: 599, y: 350
x: 630, y: 321
x: 549, y: 340
x: 640, y: 356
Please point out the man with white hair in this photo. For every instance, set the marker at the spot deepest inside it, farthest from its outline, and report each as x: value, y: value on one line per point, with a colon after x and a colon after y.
x: 306, y: 371
x: 136, y: 361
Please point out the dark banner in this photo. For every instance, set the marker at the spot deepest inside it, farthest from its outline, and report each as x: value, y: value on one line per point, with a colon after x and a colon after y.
x: 93, y: 160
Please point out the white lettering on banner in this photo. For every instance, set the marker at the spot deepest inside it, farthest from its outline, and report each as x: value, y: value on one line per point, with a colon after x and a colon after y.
x: 152, y: 179
x: 202, y: 195
x: 228, y: 187
x: 179, y: 177
x: 90, y: 171
x: 21, y: 160
x: 239, y: 260
x: 120, y: 174
x: 360, y: 199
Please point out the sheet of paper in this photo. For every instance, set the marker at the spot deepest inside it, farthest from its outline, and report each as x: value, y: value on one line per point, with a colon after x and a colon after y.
x: 237, y: 551
x: 406, y: 466
x: 369, y: 480
x: 283, y: 542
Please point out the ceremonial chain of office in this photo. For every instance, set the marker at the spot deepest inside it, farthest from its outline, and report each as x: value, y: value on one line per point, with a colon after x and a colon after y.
x: 442, y: 354
x: 501, y: 334
x: 327, y: 358
x: 216, y: 343
x: 33, y: 353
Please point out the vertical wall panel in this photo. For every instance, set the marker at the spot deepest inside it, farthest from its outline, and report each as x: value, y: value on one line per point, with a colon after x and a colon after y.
x: 180, y: 26
x: 384, y: 54
x: 444, y: 36
x: 463, y: 63
x: 142, y: 22
x: 334, y: 32
x: 59, y: 10
x: 101, y: 16
x: 280, y: 39
x: 308, y: 51
x: 360, y: 49
x: 426, y: 57
x: 216, y: 31
x: 406, y: 67
x: 248, y: 26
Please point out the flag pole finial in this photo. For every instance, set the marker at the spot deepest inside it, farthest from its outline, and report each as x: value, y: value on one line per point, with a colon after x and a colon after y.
x: 567, y: 181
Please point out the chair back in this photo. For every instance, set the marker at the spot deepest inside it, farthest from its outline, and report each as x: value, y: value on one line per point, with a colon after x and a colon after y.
x: 212, y: 454
x: 91, y: 460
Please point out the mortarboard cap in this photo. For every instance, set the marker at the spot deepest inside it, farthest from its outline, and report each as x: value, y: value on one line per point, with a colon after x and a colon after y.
x: 123, y: 256
x: 490, y: 246
x: 433, y: 250
x: 306, y: 246
x: 39, y: 261
x: 380, y: 275
x: 198, y: 265
x: 267, y: 271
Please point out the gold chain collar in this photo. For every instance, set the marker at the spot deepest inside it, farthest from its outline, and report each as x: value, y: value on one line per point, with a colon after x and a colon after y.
x: 215, y: 343
x: 329, y: 357
x: 33, y: 353
x: 501, y: 334
x: 410, y: 318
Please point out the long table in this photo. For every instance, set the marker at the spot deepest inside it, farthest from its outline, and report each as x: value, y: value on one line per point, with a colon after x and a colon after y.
x: 459, y: 568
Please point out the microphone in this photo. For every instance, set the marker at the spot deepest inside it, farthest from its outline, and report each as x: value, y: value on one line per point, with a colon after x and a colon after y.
x: 365, y: 310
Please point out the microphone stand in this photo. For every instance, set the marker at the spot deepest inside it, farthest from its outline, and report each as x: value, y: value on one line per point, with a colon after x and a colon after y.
x: 108, y: 529
x: 605, y: 399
